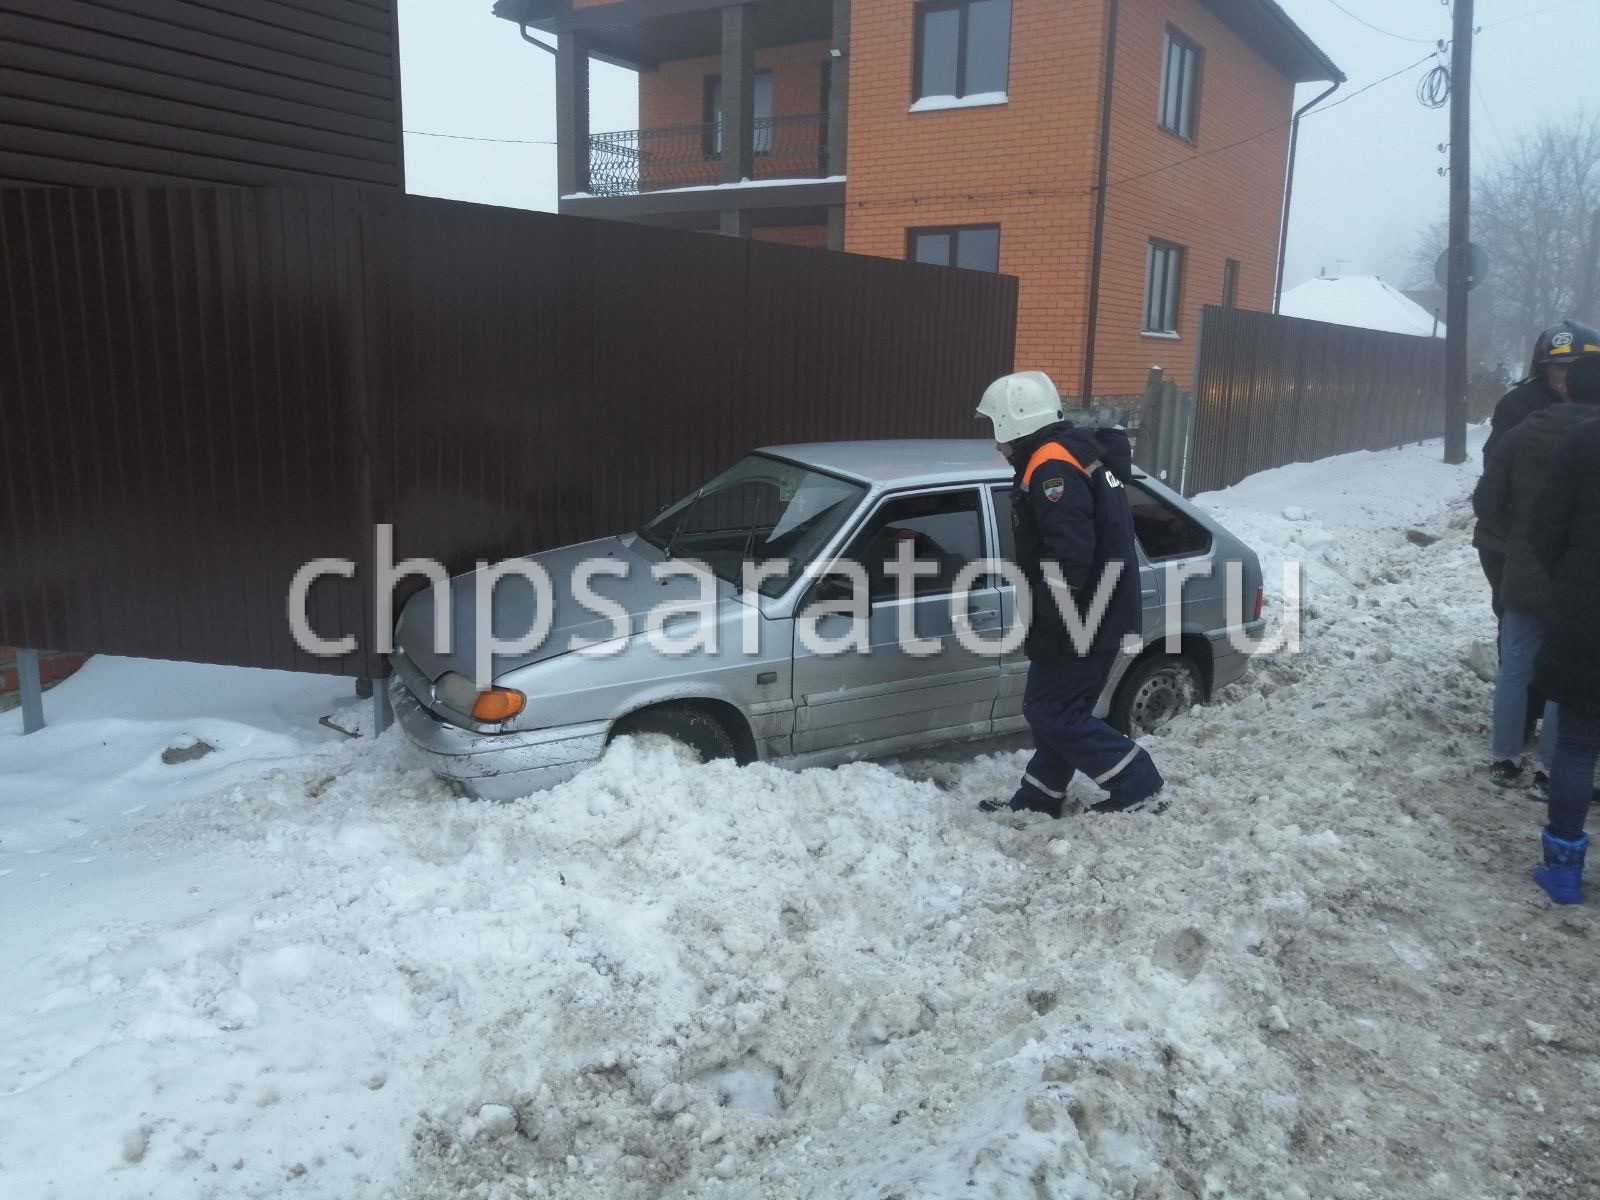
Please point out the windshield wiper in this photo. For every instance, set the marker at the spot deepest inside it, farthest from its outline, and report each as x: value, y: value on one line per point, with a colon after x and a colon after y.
x: 750, y: 536
x: 673, y: 540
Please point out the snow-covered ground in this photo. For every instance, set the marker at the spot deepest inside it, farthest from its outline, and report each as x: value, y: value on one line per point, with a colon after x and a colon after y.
x: 296, y: 967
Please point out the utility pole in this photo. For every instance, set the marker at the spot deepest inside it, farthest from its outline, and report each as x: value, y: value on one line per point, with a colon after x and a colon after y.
x: 1589, y: 285
x: 1455, y: 349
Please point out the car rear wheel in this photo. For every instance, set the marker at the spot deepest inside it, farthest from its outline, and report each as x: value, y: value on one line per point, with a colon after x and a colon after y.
x: 1155, y: 690
x: 693, y: 727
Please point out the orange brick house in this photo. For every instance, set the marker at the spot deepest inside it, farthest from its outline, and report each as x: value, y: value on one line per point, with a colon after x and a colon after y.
x: 972, y: 133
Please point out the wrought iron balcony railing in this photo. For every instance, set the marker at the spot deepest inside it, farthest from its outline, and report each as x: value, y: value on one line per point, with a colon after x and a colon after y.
x: 652, y: 160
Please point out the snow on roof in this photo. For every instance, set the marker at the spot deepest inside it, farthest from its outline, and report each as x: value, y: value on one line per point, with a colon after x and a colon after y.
x: 1364, y: 301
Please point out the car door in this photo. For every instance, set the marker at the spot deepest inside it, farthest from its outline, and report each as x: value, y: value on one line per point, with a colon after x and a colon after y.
x: 1014, y: 667
x: 889, y: 696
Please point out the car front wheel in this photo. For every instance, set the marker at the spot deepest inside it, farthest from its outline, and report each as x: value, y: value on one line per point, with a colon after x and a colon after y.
x: 693, y: 727
x: 1155, y: 690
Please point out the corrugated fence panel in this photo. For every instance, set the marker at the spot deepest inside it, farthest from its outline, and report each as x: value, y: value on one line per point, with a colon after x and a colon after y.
x: 215, y: 386
x: 1274, y: 390
x: 143, y: 92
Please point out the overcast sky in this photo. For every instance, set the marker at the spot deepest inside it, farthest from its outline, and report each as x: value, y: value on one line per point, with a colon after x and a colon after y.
x: 1367, y: 178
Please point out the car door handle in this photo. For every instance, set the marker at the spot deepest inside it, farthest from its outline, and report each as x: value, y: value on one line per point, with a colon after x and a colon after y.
x: 983, y: 618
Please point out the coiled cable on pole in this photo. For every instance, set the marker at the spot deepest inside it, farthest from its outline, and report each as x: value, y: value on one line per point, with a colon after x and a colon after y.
x: 1433, y: 89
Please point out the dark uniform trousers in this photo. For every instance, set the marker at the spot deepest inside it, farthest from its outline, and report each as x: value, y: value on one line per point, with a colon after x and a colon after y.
x: 1058, y: 705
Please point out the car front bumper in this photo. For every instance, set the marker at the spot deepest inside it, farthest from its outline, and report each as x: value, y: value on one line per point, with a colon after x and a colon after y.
x: 497, y: 766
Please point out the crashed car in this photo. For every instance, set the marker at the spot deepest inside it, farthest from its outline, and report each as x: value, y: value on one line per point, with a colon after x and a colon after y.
x: 621, y: 616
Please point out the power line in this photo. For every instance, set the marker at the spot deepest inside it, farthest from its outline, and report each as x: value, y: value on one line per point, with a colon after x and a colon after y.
x: 466, y: 137
x: 1346, y: 99
x: 1536, y: 12
x: 1023, y: 193
x: 1271, y: 129
x: 1172, y: 166
x: 1399, y: 37
x: 1494, y: 126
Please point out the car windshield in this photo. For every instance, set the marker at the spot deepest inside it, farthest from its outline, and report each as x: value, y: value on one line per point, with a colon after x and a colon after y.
x: 760, y: 510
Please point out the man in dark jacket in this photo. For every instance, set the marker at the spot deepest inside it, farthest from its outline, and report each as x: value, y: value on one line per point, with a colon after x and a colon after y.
x: 1075, y: 545
x: 1545, y: 385
x: 1508, y: 499
x: 1566, y: 541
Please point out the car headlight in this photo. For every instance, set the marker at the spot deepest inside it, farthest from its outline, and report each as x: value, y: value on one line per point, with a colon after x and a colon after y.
x: 489, y: 705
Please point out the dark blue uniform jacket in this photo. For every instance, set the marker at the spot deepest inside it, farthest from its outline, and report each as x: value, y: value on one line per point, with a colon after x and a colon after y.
x: 1070, y: 507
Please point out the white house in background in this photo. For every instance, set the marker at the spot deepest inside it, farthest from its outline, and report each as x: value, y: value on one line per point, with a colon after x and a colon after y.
x: 1364, y: 301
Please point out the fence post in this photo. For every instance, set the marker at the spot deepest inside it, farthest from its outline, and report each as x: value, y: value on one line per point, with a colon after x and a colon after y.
x: 1185, y: 442
x: 1147, y: 452
x: 382, y: 707
x: 1171, y: 433
x: 31, y: 690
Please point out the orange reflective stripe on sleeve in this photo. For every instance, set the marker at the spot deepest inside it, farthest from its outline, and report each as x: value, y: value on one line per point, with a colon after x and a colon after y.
x: 1049, y: 452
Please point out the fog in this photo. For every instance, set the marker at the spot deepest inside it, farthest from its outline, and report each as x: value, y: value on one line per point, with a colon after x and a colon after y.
x: 1368, y: 177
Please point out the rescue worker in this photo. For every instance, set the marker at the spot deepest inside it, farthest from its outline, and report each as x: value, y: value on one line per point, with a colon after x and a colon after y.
x: 1508, y: 499
x: 1545, y: 385
x: 1566, y: 540
x: 1074, y: 523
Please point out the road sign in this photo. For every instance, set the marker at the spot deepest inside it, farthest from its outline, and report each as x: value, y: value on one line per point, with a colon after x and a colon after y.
x: 1477, y: 266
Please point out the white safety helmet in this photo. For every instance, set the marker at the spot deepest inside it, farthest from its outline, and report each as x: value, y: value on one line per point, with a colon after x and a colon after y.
x: 1020, y: 404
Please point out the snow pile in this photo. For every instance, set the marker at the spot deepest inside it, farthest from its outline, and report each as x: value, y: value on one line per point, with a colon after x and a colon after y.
x: 1322, y: 973
x: 1364, y: 301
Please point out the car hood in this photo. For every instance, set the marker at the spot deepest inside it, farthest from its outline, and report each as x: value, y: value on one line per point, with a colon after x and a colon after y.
x: 514, y: 607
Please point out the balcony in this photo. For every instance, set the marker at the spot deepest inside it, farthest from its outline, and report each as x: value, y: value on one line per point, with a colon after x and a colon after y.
x: 635, y: 162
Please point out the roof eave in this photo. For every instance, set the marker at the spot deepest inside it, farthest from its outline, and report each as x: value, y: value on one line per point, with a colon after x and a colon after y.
x: 1274, y: 35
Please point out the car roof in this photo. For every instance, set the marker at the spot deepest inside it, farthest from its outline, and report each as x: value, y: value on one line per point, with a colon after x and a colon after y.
x: 908, y: 461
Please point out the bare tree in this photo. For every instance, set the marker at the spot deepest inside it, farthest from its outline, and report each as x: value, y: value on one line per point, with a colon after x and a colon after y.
x: 1537, y: 214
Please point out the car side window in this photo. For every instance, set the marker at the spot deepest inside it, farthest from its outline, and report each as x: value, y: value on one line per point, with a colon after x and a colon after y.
x: 942, y: 528
x: 1162, y: 530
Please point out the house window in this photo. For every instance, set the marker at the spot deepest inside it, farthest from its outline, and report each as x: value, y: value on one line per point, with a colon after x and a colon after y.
x: 713, y: 114
x: 1180, y: 74
x: 963, y: 48
x: 974, y: 247
x: 1230, y: 283
x: 1163, y: 284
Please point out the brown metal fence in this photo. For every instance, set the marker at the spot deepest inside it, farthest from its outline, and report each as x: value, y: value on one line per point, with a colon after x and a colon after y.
x: 208, y: 388
x: 1275, y: 390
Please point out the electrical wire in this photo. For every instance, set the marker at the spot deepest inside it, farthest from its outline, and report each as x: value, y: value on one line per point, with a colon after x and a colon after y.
x: 1494, y: 126
x: 1399, y: 37
x: 1037, y: 193
x: 1023, y: 193
x: 1535, y: 13
x: 1345, y: 99
x: 1433, y: 89
x: 466, y: 137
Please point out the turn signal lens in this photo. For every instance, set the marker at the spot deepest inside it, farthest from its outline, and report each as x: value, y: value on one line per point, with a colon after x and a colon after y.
x: 497, y: 704
x: 1261, y: 601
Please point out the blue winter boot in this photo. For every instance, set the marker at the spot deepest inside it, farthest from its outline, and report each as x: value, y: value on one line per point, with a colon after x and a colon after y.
x: 1561, y: 872
x: 1030, y: 797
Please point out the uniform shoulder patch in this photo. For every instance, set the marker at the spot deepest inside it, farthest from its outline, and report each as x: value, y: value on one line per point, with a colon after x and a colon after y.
x: 1053, y: 489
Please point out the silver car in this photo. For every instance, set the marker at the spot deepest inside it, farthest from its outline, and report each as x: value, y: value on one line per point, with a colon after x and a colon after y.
x: 755, y: 689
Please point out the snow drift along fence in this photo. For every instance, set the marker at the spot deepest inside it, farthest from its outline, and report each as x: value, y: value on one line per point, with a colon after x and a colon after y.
x: 206, y: 388
x: 1275, y: 390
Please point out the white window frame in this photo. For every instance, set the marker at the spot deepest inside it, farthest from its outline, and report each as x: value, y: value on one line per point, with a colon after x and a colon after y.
x: 1163, y: 287
x: 1180, y: 85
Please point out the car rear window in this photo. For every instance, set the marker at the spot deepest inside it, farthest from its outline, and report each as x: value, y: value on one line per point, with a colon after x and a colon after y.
x: 1162, y: 530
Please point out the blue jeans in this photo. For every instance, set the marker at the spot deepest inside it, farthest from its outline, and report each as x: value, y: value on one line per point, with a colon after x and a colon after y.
x: 1572, y: 773
x: 1520, y: 636
x: 1068, y: 737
